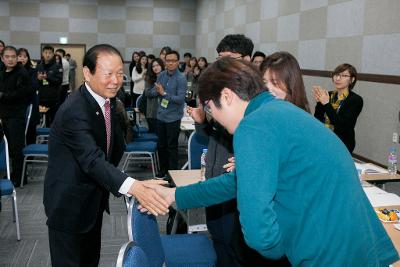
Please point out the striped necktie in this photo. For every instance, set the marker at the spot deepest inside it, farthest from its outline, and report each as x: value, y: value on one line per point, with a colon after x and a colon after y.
x: 108, y: 123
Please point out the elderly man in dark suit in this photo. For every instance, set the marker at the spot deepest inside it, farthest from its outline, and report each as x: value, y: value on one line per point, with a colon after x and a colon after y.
x: 86, y: 144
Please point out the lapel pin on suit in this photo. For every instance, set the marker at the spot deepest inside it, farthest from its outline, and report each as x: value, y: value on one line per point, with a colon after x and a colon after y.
x: 97, y: 113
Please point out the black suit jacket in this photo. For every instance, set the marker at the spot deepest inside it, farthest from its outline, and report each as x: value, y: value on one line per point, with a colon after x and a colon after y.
x: 80, y: 175
x: 344, y: 120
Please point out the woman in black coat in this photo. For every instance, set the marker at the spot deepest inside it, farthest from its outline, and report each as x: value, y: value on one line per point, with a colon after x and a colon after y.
x: 339, y: 109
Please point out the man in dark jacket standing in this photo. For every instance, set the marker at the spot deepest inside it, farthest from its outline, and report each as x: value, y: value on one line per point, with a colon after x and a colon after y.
x: 15, y: 94
x: 85, y: 146
x: 50, y: 75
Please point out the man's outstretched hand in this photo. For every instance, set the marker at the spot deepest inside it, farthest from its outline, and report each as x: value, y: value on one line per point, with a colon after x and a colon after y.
x: 148, y: 197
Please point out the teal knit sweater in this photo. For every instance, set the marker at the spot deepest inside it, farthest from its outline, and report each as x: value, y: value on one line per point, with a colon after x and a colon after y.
x: 297, y: 190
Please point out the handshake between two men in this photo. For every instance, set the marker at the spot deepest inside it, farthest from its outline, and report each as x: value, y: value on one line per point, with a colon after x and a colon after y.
x: 153, y: 197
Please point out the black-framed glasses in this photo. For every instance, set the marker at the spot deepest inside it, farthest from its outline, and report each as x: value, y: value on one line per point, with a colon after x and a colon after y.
x: 341, y: 76
x: 206, y: 107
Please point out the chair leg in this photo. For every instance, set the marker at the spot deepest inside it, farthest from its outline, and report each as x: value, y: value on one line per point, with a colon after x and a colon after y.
x: 158, y: 161
x: 126, y: 203
x: 15, y: 208
x: 125, y: 162
x: 153, y: 165
x: 23, y: 172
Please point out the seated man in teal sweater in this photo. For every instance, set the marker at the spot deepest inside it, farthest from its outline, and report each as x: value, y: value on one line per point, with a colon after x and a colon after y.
x: 297, y: 189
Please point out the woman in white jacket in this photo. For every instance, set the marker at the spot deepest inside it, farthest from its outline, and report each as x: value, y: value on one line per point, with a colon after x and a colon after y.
x: 138, y: 76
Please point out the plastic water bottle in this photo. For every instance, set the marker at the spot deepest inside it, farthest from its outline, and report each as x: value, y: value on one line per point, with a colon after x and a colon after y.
x: 392, y: 161
x: 203, y: 164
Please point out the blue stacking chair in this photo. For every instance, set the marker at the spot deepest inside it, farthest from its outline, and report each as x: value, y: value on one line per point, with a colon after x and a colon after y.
x: 142, y: 151
x: 33, y: 152
x: 146, y: 137
x: 6, y: 186
x: 131, y: 255
x: 196, y: 144
x: 42, y: 135
x: 142, y: 134
x: 136, y: 109
x: 138, y: 130
x: 172, y: 250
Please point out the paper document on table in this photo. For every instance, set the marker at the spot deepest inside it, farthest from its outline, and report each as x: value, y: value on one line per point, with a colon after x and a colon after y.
x: 381, y: 200
x: 373, y: 190
x: 368, y: 168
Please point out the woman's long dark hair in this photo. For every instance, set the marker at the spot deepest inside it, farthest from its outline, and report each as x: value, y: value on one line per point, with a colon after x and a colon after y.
x: 139, y: 64
x: 28, y: 64
x: 151, y: 76
x: 205, y: 61
x: 287, y: 69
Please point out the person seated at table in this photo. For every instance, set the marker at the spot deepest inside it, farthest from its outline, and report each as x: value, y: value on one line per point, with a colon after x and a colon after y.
x: 339, y: 109
x: 298, y: 196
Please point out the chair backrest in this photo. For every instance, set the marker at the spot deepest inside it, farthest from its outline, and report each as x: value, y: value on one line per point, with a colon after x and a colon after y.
x: 131, y: 255
x: 138, y: 100
x: 135, y: 257
x: 144, y: 231
x: 28, y: 115
x: 196, y: 144
x: 4, y: 157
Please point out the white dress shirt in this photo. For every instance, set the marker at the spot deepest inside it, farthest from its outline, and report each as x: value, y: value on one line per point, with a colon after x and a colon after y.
x: 124, y: 189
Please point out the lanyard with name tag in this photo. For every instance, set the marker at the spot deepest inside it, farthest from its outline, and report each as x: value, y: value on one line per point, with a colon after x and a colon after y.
x: 164, y: 103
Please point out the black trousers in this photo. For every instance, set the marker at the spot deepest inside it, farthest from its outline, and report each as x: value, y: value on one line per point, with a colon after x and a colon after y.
x: 63, y: 94
x: 51, y: 113
x: 220, y: 224
x: 168, y: 135
x: 232, y: 251
x: 152, y: 123
x: 134, y: 98
x: 14, y: 129
x: 72, y: 250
